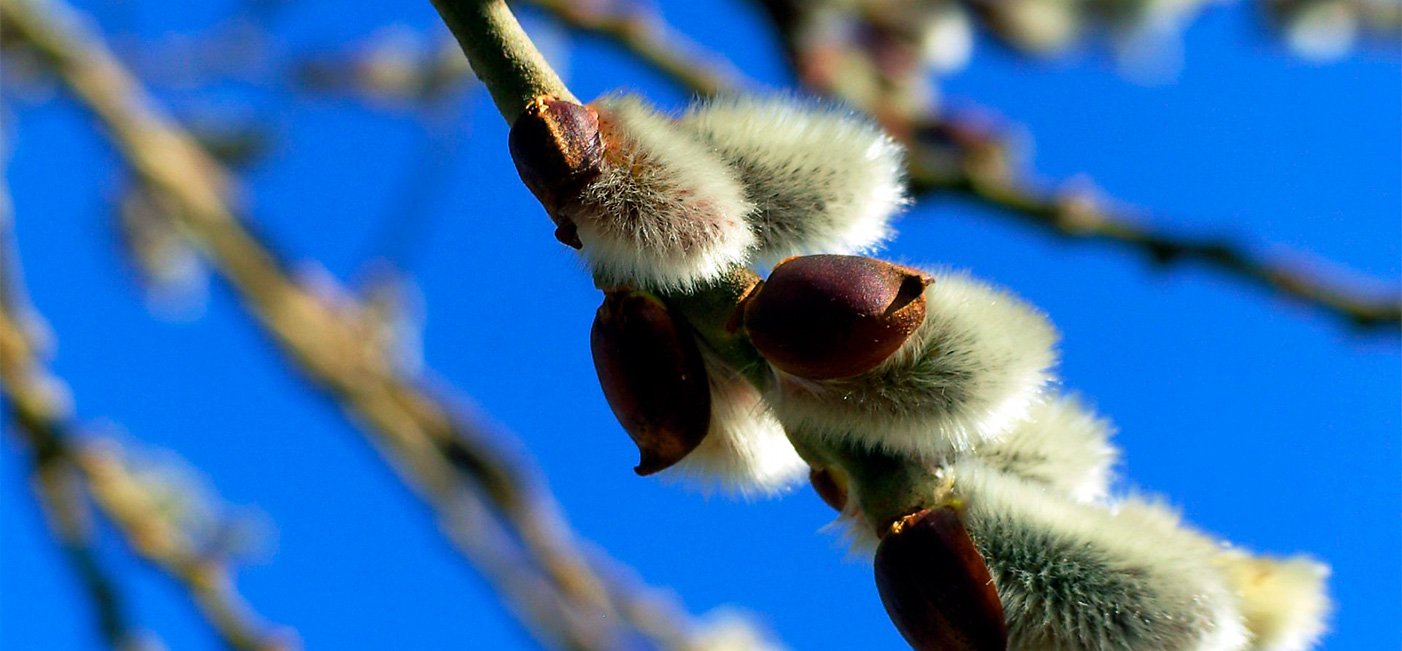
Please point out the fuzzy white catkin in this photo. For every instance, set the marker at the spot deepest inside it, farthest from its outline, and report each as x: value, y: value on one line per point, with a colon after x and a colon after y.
x: 1077, y: 576
x: 969, y: 373
x: 664, y: 212
x: 745, y: 451
x: 1284, y: 600
x: 1061, y: 444
x: 822, y: 180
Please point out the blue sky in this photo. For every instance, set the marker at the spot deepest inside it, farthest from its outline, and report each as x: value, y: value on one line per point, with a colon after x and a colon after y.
x: 1267, y: 423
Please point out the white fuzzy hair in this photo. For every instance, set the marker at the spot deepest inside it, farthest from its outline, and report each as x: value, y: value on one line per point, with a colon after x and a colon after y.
x: 1079, y: 576
x: 1061, y: 444
x: 822, y: 179
x: 665, y: 212
x: 969, y: 373
x: 854, y: 534
x: 1284, y: 600
x: 745, y: 451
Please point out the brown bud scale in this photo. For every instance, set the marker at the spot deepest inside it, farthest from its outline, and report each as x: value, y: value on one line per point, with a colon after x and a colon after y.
x: 828, y: 487
x: 936, y: 587
x: 653, y: 376
x: 557, y: 148
x: 824, y: 317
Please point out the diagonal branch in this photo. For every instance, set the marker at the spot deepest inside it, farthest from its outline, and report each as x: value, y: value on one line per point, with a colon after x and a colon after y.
x: 31, y: 406
x: 67, y: 474
x: 972, y: 164
x: 488, y: 504
x: 1079, y: 215
x: 648, y: 37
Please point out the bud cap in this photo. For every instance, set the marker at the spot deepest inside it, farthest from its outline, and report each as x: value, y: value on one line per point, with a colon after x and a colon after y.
x: 936, y: 587
x: 822, y: 317
x: 653, y: 376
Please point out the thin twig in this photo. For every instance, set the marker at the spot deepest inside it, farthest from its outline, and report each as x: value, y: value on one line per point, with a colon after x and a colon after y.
x: 54, y: 480
x: 1070, y: 215
x: 501, y: 54
x: 31, y: 405
x: 645, y: 35
x: 1080, y: 216
x: 65, y: 472
x: 550, y: 584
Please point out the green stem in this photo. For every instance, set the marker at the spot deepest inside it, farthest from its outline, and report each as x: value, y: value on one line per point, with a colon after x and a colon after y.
x: 501, y: 54
x: 713, y: 311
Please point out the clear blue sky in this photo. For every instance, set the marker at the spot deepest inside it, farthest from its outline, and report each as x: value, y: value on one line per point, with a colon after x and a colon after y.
x: 1266, y: 423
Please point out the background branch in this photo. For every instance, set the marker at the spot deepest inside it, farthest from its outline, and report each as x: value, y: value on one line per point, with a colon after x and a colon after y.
x: 67, y: 473
x: 643, y: 33
x: 487, y: 503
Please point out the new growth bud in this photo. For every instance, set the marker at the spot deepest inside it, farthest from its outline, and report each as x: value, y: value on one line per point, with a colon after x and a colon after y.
x: 1062, y: 445
x: 822, y: 317
x: 649, y: 204
x: 1078, y: 576
x: 664, y: 212
x: 557, y: 149
x: 971, y: 369
x: 653, y: 376
x: 745, y: 450
x: 830, y: 487
x: 821, y: 179
x: 936, y: 587
x: 1284, y: 600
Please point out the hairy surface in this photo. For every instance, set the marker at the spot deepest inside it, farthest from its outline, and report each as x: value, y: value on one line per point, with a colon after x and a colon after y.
x: 664, y: 212
x: 822, y: 179
x: 745, y: 451
x: 1075, y: 576
x: 1284, y: 600
x: 1061, y: 444
x: 969, y: 373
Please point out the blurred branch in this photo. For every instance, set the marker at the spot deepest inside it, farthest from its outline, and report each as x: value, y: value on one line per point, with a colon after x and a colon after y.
x: 648, y: 37
x: 395, y: 65
x: 33, y: 401
x: 64, y: 509
x: 65, y: 471
x: 1079, y: 215
x: 1329, y: 29
x: 487, y: 504
x: 950, y: 155
x: 127, y: 501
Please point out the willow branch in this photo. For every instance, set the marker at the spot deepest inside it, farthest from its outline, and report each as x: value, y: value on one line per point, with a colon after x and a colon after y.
x: 553, y: 588
x: 645, y: 35
x: 1081, y: 216
x: 501, y: 54
x: 54, y: 480
x: 32, y: 408
x: 65, y: 473
x: 1071, y: 215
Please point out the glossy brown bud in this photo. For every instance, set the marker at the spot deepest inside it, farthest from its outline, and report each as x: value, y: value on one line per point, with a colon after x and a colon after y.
x: 936, y: 587
x: 829, y: 487
x: 557, y: 148
x: 653, y: 376
x: 832, y: 316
